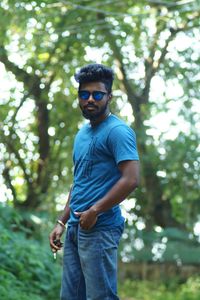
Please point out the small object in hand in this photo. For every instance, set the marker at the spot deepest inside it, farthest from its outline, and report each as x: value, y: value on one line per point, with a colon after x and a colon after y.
x: 58, y: 243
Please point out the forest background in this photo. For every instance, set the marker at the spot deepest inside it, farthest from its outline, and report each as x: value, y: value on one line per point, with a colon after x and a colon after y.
x: 153, y: 47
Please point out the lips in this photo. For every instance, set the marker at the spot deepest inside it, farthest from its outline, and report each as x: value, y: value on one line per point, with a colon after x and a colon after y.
x: 90, y: 107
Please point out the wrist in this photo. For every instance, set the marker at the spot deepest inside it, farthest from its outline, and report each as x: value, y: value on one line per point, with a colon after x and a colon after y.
x: 94, y: 209
x: 59, y: 222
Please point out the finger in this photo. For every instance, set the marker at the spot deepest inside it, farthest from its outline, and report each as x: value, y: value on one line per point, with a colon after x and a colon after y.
x: 51, y: 238
x: 51, y: 241
x: 58, y: 243
x: 54, y: 247
x: 77, y: 213
x: 84, y: 227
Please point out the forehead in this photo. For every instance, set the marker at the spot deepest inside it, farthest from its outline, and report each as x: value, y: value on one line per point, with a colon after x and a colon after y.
x: 93, y: 86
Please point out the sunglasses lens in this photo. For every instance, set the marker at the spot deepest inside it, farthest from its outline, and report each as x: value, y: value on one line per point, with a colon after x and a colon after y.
x: 97, y: 95
x: 84, y: 95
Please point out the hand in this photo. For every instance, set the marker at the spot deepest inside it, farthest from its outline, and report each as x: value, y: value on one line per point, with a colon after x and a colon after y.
x: 87, y: 219
x: 55, y: 235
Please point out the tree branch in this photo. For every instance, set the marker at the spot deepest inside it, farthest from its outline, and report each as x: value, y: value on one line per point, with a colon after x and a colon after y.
x: 11, y: 149
x: 20, y: 74
x: 152, y: 66
x: 32, y: 84
x: 26, y: 95
x: 132, y: 96
x: 8, y: 182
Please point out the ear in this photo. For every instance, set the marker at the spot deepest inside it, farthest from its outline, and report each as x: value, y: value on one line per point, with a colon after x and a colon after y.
x: 110, y: 96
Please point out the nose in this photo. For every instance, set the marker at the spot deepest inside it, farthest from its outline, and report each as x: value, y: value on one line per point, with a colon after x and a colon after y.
x: 91, y: 99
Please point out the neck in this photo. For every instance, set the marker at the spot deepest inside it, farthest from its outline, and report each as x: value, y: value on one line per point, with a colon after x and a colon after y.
x: 100, y: 119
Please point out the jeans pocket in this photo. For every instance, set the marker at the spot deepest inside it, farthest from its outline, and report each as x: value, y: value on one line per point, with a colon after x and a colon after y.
x: 69, y: 235
x: 116, y: 233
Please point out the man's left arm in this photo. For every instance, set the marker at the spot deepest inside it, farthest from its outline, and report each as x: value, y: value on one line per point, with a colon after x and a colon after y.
x: 128, y: 181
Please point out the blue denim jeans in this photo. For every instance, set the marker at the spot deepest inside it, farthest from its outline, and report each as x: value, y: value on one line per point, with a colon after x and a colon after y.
x: 90, y: 264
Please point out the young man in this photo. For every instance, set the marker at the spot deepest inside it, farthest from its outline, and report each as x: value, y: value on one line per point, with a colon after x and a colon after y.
x: 106, y: 171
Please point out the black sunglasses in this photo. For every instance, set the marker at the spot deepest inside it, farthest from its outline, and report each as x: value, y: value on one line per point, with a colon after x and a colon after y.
x: 96, y: 95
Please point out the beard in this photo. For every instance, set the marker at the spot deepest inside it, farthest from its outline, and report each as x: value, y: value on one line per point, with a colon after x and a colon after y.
x: 93, y: 114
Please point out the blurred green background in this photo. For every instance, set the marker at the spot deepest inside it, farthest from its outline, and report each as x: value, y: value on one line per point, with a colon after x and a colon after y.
x: 153, y: 48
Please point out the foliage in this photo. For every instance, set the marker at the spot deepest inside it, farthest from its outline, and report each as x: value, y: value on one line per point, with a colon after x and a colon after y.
x: 167, y: 245
x: 146, y: 290
x: 27, y: 267
x: 182, y: 176
x: 28, y: 271
x: 150, y: 45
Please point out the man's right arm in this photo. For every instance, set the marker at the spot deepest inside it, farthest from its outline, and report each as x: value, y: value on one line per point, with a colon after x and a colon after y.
x: 60, y: 226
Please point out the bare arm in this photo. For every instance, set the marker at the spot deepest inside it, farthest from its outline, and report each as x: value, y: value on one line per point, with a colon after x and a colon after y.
x: 59, y: 229
x: 66, y: 212
x: 123, y: 187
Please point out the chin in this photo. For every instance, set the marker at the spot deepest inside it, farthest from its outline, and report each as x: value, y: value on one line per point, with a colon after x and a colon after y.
x: 91, y: 115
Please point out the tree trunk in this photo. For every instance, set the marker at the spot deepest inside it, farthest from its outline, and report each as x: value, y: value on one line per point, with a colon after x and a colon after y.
x: 157, y: 210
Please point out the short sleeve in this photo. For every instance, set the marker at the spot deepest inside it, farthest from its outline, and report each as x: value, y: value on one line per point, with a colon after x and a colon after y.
x: 122, y: 143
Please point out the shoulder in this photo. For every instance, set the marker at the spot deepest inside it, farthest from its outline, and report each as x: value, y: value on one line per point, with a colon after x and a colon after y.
x: 122, y: 142
x: 118, y: 128
x: 82, y: 133
x: 83, y: 129
x: 114, y: 120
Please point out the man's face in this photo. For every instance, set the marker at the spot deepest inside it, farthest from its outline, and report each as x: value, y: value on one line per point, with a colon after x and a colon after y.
x: 92, y: 109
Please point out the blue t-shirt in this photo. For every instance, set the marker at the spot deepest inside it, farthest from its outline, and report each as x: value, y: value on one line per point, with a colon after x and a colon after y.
x: 97, y: 153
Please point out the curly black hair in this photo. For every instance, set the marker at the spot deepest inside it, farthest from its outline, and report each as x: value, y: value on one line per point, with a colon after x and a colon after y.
x: 95, y: 72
